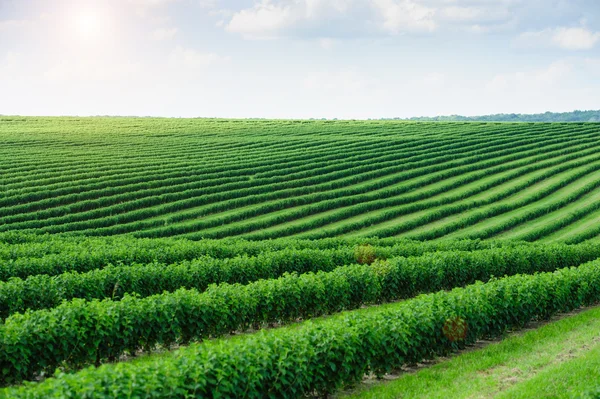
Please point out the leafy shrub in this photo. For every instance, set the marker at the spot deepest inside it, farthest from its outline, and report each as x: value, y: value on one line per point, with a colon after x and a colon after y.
x: 365, y: 254
x: 320, y: 357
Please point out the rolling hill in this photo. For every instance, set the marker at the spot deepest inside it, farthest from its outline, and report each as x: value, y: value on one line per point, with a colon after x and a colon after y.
x: 202, y: 178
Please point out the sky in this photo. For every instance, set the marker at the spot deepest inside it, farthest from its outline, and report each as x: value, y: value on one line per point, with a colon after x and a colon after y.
x: 350, y: 59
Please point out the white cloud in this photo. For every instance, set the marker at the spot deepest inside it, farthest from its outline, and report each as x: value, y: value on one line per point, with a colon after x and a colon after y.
x: 575, y: 38
x: 189, y: 59
x: 9, y: 64
x: 531, y: 81
x: 341, y: 82
x: 327, y: 43
x: 150, y: 3
x: 462, y: 13
x: 268, y: 19
x: 12, y: 24
x: 405, y: 15
x: 67, y: 71
x: 263, y: 20
x: 593, y: 64
x: 562, y: 37
x: 164, y: 33
x: 208, y: 3
x: 434, y: 79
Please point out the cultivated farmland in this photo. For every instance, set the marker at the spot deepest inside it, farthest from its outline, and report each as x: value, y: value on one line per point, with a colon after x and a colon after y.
x: 183, y: 258
x: 306, y: 179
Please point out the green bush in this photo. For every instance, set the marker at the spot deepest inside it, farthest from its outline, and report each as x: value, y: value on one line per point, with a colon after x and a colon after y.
x: 321, y: 357
x: 79, y: 332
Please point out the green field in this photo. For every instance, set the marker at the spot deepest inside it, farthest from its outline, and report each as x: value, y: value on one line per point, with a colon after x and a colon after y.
x: 202, y: 178
x: 179, y: 258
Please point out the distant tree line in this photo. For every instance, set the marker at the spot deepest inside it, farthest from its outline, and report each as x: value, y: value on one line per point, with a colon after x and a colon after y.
x: 575, y: 116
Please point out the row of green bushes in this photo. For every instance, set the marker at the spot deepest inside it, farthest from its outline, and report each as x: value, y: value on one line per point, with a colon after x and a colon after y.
x: 124, y: 181
x: 114, y: 204
x: 44, y: 291
x: 85, y: 254
x: 157, y: 159
x: 322, y: 356
x: 276, y: 190
x: 453, y: 209
x: 370, y: 200
x: 287, y: 198
x: 79, y: 332
x: 317, y: 202
x: 543, y: 210
x: 395, y: 202
x: 506, y: 207
x: 42, y: 198
x: 589, y: 233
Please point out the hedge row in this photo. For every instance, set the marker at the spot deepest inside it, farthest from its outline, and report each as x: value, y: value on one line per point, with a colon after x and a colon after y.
x: 217, y: 163
x: 321, y: 357
x: 564, y: 221
x: 453, y: 209
x: 514, y: 221
x: 44, y: 291
x: 54, y: 172
x: 494, y: 210
x: 396, y: 204
x: 129, y: 211
x: 539, y: 211
x: 80, y: 203
x: 354, y: 201
x: 84, y: 254
x: 79, y: 332
x: 177, y: 179
x: 220, y: 165
x: 157, y: 161
x: 589, y: 233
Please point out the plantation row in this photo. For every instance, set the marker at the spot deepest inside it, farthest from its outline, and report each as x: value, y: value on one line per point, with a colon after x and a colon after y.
x: 187, y: 191
x: 40, y: 291
x: 222, y: 205
x: 313, y: 357
x: 53, y: 255
x: 450, y: 194
x: 257, y: 148
x: 260, y: 179
x: 80, y: 332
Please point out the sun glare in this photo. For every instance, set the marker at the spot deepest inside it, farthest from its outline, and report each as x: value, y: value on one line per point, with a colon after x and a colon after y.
x: 90, y: 24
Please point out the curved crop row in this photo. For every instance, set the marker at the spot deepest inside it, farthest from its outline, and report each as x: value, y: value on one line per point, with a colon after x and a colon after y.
x: 90, y: 254
x: 400, y: 205
x: 81, y: 204
x: 44, y: 291
x: 253, y: 195
x: 454, y: 209
x: 321, y: 357
x: 364, y: 200
x: 237, y: 187
x: 90, y: 332
x: 48, y: 198
x: 503, y: 208
x: 291, y: 156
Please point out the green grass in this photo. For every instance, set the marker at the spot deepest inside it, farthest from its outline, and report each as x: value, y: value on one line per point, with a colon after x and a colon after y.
x: 560, y: 359
x: 581, y: 226
x: 484, y: 197
x: 520, y: 232
x: 547, y: 201
x: 451, y: 191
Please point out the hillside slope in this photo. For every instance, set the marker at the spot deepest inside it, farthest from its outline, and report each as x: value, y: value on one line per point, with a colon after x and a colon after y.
x: 257, y: 179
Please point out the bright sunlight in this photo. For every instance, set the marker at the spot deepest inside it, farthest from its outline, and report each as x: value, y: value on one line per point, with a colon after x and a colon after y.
x: 90, y: 24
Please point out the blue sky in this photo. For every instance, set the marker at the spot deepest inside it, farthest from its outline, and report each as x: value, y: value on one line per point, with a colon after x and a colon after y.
x: 298, y: 58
